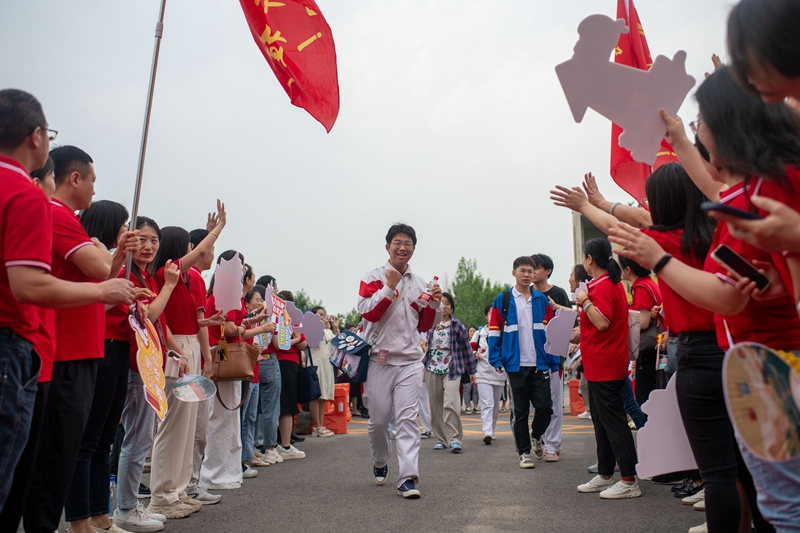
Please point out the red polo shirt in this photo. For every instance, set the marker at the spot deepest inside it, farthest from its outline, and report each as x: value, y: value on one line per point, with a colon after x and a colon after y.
x: 771, y: 322
x: 679, y: 314
x: 236, y: 316
x: 181, y: 310
x: 79, y: 330
x: 27, y: 231
x: 605, y: 353
x: 646, y: 294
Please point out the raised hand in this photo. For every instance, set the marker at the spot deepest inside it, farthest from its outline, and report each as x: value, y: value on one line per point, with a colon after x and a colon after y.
x: 212, y: 221
x: 171, y: 273
x: 573, y: 198
x: 675, y: 129
x: 222, y: 218
x: 593, y: 191
x: 636, y: 245
x: 393, y: 277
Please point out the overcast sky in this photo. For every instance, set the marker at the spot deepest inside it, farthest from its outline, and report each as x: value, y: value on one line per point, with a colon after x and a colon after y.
x: 452, y: 120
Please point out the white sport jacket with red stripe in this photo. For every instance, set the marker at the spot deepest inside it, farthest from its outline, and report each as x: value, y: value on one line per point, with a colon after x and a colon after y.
x: 400, y: 336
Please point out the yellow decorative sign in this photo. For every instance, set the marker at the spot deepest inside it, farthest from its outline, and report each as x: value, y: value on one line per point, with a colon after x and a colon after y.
x: 149, y: 359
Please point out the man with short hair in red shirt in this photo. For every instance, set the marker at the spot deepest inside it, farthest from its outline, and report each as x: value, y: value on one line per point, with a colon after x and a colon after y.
x: 79, y: 342
x: 25, y: 280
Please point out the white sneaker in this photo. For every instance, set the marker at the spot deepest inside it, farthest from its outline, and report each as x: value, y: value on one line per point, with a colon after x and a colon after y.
x: 257, y: 462
x: 700, y: 506
x: 205, y: 497
x: 538, y: 449
x: 155, y: 516
x: 694, y: 498
x: 291, y: 453
x: 257, y: 453
x: 136, y: 520
x: 249, y: 473
x: 597, y: 484
x: 112, y: 529
x: 323, y: 432
x: 585, y: 415
x: 622, y: 490
x: 702, y: 528
x: 526, y: 461
x: 272, y: 456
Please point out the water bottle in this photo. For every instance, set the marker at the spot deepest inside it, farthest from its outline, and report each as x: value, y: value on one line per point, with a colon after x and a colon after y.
x: 425, y: 297
x: 111, y: 491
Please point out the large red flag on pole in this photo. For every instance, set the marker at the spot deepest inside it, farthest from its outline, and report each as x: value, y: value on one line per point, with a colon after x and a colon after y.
x: 632, y: 50
x: 298, y: 45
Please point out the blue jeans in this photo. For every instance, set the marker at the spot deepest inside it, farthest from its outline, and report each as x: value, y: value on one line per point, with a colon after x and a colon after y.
x: 269, y: 385
x: 778, y: 485
x: 249, y: 413
x: 631, y: 405
x: 138, y: 419
x: 19, y: 372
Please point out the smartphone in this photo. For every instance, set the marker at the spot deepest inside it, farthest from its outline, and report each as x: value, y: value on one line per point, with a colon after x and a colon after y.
x: 737, y: 264
x: 728, y: 210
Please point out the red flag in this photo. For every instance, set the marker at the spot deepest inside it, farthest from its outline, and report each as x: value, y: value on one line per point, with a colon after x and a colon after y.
x: 298, y: 44
x: 632, y: 50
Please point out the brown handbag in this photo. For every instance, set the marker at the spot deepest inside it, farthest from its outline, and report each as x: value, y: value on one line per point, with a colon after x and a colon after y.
x: 234, y: 362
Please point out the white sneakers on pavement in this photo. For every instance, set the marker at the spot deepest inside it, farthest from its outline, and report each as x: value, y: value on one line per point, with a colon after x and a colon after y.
x: 291, y: 453
x: 702, y: 528
x: 597, y: 484
x: 206, y: 498
x: 586, y: 415
x: 621, y: 490
x: 526, y: 461
x: 694, y: 498
x: 537, y: 448
x: 323, y: 432
x: 137, y: 520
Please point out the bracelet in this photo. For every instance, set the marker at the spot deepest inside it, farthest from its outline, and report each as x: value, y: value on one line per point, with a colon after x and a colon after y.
x: 243, y: 330
x: 214, y: 234
x: 586, y: 305
x: 613, y: 206
x: 662, y: 263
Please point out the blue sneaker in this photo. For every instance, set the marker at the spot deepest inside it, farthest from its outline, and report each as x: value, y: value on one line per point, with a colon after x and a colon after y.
x: 380, y: 474
x: 438, y: 446
x: 408, y: 489
x: 455, y: 447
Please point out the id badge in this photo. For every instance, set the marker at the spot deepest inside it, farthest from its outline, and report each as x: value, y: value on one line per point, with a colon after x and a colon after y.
x: 383, y: 357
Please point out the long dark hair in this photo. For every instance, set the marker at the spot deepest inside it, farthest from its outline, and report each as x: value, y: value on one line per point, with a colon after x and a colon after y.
x: 103, y: 219
x: 227, y: 255
x: 752, y: 138
x: 41, y: 173
x: 764, y: 31
x: 636, y: 268
x: 140, y: 223
x: 600, y: 252
x: 674, y: 202
x: 173, y: 245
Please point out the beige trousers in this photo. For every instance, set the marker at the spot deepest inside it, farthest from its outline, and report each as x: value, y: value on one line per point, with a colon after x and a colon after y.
x: 174, y: 440
x: 445, y: 407
x: 200, y: 441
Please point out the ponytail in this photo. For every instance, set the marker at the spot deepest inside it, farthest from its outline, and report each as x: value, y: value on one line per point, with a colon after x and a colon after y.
x: 600, y: 252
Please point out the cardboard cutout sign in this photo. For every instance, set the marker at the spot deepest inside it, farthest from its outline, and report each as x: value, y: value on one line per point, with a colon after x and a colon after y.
x: 559, y: 332
x: 149, y: 358
x: 662, y: 444
x: 629, y: 97
x: 228, y: 285
x: 762, y: 393
x: 313, y: 328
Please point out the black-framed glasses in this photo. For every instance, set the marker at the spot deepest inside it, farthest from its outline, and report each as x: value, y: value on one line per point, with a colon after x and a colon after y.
x: 51, y: 134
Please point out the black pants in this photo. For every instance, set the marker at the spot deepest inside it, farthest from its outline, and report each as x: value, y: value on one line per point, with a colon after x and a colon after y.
x: 88, y: 494
x: 530, y: 386
x: 705, y: 417
x: 611, y: 430
x: 65, y: 416
x: 646, y: 375
x: 23, y: 474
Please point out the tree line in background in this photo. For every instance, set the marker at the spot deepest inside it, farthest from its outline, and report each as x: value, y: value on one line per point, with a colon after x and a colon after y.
x: 470, y: 291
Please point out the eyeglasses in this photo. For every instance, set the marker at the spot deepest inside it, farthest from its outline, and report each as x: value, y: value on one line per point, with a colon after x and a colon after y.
x: 406, y: 244
x: 51, y: 134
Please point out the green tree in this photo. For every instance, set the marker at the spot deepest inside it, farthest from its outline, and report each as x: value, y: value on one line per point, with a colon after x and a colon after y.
x: 304, y: 302
x: 353, y: 317
x: 472, y: 293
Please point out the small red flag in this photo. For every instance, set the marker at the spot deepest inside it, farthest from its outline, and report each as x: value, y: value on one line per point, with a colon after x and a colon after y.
x: 298, y: 44
x: 632, y: 50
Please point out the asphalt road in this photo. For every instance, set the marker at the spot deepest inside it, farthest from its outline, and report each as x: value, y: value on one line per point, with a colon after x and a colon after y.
x: 480, y: 490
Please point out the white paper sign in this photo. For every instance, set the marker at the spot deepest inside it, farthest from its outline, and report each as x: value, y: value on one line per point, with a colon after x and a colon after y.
x: 629, y: 97
x: 228, y: 285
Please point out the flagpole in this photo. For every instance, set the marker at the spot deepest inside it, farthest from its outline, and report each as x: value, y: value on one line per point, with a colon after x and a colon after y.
x: 145, y: 131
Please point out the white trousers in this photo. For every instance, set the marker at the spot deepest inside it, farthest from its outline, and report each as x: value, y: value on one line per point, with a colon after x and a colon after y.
x: 552, y: 436
x: 425, y: 410
x: 222, y: 466
x: 174, y: 440
x: 489, y: 396
x: 398, y: 386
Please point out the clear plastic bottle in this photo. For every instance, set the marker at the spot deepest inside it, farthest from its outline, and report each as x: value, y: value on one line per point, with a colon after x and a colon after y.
x: 425, y: 297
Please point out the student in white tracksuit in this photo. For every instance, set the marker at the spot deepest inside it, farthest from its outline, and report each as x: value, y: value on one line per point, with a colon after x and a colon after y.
x: 490, y: 381
x: 394, y: 378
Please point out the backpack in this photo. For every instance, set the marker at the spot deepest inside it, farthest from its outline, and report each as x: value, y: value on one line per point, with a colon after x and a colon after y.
x: 506, y: 303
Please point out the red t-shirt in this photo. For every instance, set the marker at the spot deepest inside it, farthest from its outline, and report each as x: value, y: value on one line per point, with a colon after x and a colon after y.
x: 79, y: 330
x: 292, y: 354
x: 770, y: 189
x: 198, y: 288
x: 117, y: 326
x: 605, y: 353
x: 646, y: 294
x: 679, y: 314
x: 771, y: 322
x: 27, y: 230
x: 181, y: 310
